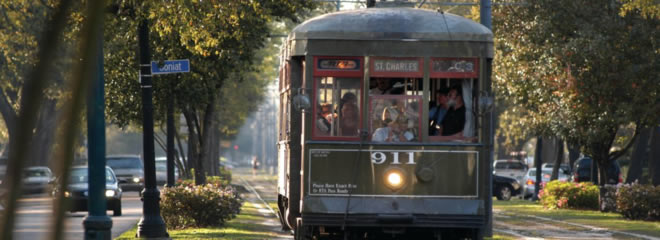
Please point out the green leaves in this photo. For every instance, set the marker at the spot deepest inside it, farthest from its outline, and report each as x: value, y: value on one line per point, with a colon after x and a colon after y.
x: 579, y: 68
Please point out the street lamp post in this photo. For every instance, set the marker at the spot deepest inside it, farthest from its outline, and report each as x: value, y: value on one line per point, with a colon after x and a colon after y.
x: 97, y: 224
x: 151, y: 224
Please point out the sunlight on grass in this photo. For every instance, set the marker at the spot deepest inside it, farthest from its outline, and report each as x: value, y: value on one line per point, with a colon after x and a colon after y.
x: 612, y: 221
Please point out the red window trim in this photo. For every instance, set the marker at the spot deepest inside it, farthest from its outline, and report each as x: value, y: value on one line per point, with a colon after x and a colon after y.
x: 418, y: 74
x: 474, y: 74
x: 338, y: 73
x: 404, y: 97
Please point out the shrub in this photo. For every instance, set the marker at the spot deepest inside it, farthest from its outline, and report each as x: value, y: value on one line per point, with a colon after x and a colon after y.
x: 198, y: 206
x: 223, y: 180
x: 637, y: 201
x: 558, y: 194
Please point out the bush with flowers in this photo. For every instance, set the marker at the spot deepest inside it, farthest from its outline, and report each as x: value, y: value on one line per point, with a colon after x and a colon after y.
x: 559, y: 194
x: 207, y: 205
x: 637, y: 201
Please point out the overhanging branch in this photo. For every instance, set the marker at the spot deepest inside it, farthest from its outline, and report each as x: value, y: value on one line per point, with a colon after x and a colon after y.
x: 617, y: 154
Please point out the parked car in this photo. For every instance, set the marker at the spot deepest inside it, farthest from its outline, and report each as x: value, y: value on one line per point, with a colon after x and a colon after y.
x: 129, y: 170
x: 37, y: 179
x: 510, y: 168
x: 564, y: 167
x: 78, y: 190
x: 530, y: 180
x: 582, y: 171
x: 505, y: 187
x: 161, y: 170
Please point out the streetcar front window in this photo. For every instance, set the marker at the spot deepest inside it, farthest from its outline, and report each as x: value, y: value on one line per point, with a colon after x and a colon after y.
x: 399, y: 119
x: 337, y: 107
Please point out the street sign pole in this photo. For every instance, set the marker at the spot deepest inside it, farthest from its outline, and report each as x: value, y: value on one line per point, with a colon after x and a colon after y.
x: 151, y: 225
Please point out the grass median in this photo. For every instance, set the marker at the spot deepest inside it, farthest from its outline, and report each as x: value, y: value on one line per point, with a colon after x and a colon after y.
x: 612, y: 221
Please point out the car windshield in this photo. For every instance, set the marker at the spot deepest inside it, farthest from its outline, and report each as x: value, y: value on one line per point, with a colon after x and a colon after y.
x: 79, y: 175
x: 124, y: 163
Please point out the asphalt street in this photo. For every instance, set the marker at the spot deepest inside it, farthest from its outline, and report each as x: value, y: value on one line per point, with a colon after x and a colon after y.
x: 34, y: 218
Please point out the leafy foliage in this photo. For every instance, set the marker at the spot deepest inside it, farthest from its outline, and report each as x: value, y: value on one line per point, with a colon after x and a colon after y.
x: 580, y: 69
x: 558, y: 194
x: 198, y: 206
x: 638, y: 201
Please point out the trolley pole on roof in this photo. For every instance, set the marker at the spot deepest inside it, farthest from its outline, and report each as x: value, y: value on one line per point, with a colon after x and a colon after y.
x: 484, y: 16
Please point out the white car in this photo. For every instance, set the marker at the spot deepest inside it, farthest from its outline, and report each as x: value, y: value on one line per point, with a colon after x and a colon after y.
x: 37, y: 179
x: 510, y: 168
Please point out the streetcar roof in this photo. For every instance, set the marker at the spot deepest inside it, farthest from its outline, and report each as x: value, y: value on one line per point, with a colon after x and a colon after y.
x: 392, y: 24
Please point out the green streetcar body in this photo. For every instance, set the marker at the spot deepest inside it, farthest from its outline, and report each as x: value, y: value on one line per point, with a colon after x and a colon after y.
x: 329, y: 179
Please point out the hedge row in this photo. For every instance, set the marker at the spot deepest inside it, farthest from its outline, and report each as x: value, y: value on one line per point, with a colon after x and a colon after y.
x: 559, y: 194
x: 637, y: 201
x: 633, y: 201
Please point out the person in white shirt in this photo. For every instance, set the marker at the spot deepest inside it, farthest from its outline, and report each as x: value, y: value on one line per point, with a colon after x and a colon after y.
x: 395, y: 131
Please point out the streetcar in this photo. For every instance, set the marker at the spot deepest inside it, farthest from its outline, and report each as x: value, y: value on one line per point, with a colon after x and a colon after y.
x: 385, y: 126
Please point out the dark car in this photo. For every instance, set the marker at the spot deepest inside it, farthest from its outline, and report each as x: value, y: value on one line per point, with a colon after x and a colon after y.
x: 505, y: 187
x: 582, y: 171
x: 78, y: 190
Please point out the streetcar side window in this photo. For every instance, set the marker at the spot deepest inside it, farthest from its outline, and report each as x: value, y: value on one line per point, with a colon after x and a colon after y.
x: 399, y: 119
x: 452, y: 110
x: 337, y: 109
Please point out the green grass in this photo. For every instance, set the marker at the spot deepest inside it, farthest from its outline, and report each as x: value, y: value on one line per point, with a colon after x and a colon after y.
x: 130, y: 234
x: 244, y: 226
x: 613, y: 221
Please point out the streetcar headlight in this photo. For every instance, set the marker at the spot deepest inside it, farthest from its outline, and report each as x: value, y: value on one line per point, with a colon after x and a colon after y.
x: 109, y: 193
x: 394, y: 178
x: 136, y: 179
x: 67, y: 194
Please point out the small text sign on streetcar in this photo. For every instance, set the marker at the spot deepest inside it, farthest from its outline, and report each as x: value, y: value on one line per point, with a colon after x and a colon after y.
x: 170, y: 66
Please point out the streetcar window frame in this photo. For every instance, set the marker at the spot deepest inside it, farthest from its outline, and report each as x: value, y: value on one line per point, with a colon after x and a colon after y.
x: 452, y: 71
x: 319, y: 73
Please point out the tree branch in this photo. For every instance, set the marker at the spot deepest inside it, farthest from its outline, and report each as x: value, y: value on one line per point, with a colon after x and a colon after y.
x: 7, y: 112
x: 613, y: 156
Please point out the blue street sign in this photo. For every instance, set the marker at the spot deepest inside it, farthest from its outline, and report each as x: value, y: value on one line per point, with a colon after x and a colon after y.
x: 170, y: 66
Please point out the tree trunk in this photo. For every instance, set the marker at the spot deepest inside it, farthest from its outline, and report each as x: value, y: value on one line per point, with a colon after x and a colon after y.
x: 640, y: 153
x: 193, y: 147
x: 573, y: 154
x: 558, y: 159
x: 549, y: 150
x: 654, y: 157
x: 215, y: 151
x: 537, y: 163
x: 185, y: 170
x: 207, y: 136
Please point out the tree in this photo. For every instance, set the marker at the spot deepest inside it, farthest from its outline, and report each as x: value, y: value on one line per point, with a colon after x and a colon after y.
x: 21, y: 24
x: 219, y: 37
x: 581, y: 69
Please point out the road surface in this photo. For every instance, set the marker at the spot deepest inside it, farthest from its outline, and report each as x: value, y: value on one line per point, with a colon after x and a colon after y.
x: 34, y: 218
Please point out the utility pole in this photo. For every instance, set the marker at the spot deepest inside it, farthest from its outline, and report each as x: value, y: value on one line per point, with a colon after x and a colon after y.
x: 484, y: 16
x: 151, y: 224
